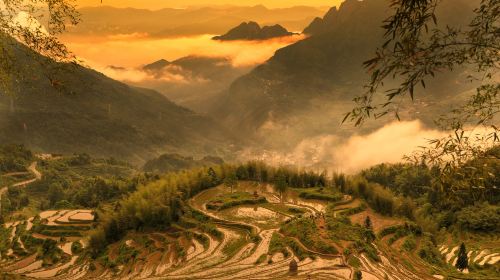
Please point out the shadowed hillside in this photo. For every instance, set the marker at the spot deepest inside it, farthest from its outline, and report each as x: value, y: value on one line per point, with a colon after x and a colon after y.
x: 305, y: 88
x: 194, y: 82
x: 84, y: 111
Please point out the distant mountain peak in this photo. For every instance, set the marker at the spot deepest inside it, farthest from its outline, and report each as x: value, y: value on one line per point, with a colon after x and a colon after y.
x: 157, y: 65
x: 332, y: 17
x: 252, y: 31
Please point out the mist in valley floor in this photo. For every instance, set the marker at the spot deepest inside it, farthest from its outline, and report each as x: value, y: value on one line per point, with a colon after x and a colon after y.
x: 388, y: 144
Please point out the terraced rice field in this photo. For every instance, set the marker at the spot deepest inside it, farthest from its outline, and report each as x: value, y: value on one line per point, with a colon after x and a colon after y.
x: 27, y: 262
x: 480, y: 257
x: 237, y: 247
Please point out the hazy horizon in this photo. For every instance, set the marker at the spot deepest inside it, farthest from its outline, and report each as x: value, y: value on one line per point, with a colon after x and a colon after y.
x: 159, y: 4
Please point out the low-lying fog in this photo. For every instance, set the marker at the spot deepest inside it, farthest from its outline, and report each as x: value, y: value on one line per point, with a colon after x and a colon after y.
x: 133, y: 50
x: 122, y: 57
x: 388, y: 144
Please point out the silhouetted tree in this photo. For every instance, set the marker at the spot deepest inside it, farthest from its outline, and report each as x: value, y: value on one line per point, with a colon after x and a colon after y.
x: 462, y: 260
x: 41, y: 38
x: 416, y: 49
x: 368, y: 222
x: 213, y: 176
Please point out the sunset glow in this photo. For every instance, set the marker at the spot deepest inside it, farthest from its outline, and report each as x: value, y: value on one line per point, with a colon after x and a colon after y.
x: 159, y: 4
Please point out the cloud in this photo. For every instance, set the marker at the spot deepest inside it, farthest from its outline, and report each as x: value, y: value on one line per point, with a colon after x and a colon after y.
x: 136, y: 75
x: 133, y: 49
x: 388, y: 144
x: 130, y: 36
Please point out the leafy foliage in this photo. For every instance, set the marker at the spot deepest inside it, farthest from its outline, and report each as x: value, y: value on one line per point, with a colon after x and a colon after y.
x: 21, y: 20
x: 414, y: 50
x: 481, y: 217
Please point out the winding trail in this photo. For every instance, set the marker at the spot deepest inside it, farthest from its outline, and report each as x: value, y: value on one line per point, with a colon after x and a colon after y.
x: 33, y: 170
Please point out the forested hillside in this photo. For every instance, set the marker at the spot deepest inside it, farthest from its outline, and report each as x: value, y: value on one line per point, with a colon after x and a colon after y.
x: 62, y: 108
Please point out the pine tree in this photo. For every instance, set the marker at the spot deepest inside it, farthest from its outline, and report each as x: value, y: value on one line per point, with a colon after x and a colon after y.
x: 462, y: 260
x: 212, y: 175
x: 368, y: 222
x: 368, y: 233
x: 358, y: 275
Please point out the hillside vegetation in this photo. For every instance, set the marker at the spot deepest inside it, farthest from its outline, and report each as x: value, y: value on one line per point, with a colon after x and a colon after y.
x: 175, y: 162
x: 83, y: 111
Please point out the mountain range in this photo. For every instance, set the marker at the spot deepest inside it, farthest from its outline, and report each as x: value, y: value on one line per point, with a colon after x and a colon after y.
x: 200, y: 79
x: 106, y: 20
x: 305, y: 88
x: 302, y: 91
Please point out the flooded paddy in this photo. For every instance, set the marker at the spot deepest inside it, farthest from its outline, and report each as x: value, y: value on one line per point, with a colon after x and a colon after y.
x: 258, y: 216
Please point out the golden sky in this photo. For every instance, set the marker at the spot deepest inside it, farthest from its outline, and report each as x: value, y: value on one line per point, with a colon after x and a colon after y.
x: 158, y: 4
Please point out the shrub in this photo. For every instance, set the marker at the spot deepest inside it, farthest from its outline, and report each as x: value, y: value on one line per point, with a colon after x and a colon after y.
x: 277, y: 244
x: 428, y: 252
x: 483, y: 217
x: 76, y: 247
x: 333, y: 197
x: 63, y: 204
x: 409, y: 244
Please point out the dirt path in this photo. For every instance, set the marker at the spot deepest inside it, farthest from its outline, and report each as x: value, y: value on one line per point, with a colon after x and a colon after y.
x: 33, y: 170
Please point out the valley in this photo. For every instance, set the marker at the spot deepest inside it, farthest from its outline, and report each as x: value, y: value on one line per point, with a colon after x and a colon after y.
x: 259, y: 140
x: 244, y: 229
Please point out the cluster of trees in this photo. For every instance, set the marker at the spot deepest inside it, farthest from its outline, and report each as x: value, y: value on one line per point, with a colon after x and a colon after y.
x: 291, y: 177
x: 481, y: 217
x: 381, y: 199
x: 156, y: 204
x: 160, y: 203
x: 419, y: 181
x: 71, y: 182
x: 14, y: 158
x: 403, y: 179
x: 16, y: 198
x: 61, y: 191
x: 417, y: 192
x: 175, y: 162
